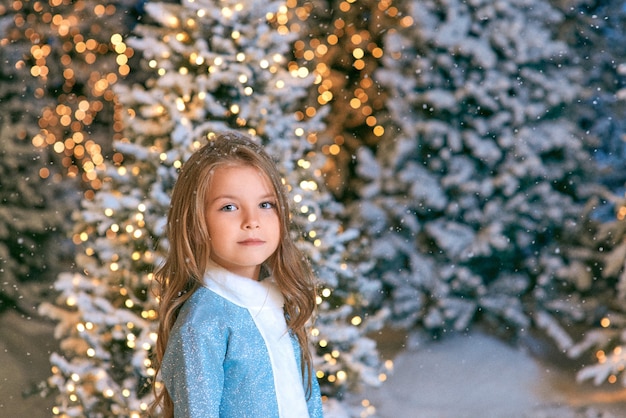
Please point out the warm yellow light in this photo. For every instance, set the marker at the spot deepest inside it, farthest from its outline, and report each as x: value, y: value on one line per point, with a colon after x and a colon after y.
x: 116, y: 38
x: 406, y: 21
x: 180, y: 104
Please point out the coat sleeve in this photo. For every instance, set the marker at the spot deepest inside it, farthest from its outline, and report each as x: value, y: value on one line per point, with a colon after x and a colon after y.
x: 193, y: 370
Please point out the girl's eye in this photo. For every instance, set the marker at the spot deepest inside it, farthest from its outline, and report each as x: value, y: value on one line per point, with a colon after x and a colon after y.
x: 228, y: 208
x: 267, y: 205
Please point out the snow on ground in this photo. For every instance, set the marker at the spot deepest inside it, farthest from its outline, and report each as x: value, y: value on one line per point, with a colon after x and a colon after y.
x: 25, y: 346
x: 475, y: 376
x: 478, y: 376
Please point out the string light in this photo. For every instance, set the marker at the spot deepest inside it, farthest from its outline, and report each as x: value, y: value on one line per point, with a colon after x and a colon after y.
x: 343, y: 50
x: 85, y: 68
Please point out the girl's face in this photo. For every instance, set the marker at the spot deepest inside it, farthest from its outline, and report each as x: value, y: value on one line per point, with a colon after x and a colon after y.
x: 242, y: 219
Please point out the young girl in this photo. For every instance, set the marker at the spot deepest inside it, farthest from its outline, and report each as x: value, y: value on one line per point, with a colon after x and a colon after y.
x: 235, y: 292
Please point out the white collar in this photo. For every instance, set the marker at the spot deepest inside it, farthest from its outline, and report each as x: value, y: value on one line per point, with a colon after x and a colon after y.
x: 243, y: 291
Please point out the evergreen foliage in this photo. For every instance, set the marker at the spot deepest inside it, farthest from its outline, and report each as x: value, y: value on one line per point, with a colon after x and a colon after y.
x: 473, y: 198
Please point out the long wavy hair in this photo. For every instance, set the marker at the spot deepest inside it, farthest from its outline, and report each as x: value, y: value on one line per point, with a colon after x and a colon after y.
x: 187, y: 259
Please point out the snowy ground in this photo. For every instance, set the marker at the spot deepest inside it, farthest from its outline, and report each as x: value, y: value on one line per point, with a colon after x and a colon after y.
x: 479, y: 376
x: 475, y: 376
x: 25, y: 346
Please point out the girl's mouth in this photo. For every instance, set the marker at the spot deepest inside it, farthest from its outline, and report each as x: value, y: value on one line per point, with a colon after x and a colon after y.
x: 252, y: 241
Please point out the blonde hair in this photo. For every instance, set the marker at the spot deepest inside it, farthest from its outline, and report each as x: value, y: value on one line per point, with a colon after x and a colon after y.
x: 187, y: 259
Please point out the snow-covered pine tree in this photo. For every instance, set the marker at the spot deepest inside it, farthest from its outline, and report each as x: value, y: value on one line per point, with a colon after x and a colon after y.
x: 30, y: 216
x: 470, y: 198
x: 211, y: 66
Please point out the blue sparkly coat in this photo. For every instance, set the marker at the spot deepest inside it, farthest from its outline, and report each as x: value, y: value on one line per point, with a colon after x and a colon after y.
x: 230, y: 354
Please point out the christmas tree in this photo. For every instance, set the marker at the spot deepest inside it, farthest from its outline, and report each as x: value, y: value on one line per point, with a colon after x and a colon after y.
x: 210, y: 67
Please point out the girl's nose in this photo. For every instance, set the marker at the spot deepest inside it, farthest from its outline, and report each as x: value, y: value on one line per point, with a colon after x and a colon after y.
x: 251, y: 221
